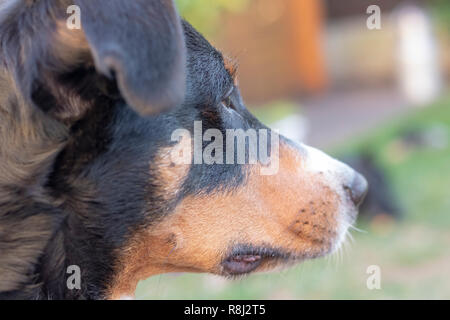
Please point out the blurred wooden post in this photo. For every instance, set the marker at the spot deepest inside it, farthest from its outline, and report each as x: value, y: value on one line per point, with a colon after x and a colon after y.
x: 306, y: 23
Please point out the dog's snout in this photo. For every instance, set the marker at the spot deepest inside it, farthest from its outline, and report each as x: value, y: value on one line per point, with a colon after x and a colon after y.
x: 336, y: 173
x: 357, y: 188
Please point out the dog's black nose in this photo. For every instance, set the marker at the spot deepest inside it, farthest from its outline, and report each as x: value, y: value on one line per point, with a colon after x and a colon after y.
x: 357, y: 189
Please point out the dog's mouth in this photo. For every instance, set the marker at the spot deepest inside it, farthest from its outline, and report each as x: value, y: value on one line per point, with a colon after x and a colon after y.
x: 244, y: 259
x: 241, y: 264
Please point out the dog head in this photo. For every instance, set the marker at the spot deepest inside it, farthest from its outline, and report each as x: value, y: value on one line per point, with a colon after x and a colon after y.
x: 233, y: 216
x: 187, y: 190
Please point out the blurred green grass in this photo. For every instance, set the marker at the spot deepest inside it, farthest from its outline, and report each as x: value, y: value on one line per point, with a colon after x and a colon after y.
x: 274, y: 111
x: 414, y: 254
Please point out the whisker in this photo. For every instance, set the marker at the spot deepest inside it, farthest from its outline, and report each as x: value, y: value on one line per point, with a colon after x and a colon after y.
x: 357, y: 229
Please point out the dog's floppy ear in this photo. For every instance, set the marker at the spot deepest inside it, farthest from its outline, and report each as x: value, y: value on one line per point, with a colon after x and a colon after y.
x: 141, y: 44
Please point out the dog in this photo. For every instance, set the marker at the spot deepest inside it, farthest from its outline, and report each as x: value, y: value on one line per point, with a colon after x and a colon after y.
x: 87, y: 174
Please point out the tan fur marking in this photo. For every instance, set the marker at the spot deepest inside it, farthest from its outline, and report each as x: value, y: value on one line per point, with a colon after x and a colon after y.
x: 231, y: 67
x: 171, y: 175
x: 70, y: 45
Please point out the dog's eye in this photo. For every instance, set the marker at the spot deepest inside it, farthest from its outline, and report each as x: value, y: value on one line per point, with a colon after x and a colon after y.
x: 227, y: 101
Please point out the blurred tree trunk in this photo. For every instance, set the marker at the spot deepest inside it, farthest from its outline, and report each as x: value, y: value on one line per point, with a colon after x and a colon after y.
x: 307, y: 22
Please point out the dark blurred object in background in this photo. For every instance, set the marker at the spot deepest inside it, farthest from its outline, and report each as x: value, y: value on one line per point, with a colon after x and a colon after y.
x: 380, y: 199
x: 435, y: 137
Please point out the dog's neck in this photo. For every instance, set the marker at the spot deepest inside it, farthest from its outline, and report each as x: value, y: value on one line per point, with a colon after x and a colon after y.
x: 31, y: 143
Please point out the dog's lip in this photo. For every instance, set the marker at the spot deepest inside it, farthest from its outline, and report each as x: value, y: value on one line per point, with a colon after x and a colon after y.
x: 247, y: 258
x: 241, y: 264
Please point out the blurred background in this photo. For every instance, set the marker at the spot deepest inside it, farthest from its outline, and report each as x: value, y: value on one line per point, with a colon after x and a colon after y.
x: 377, y: 98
